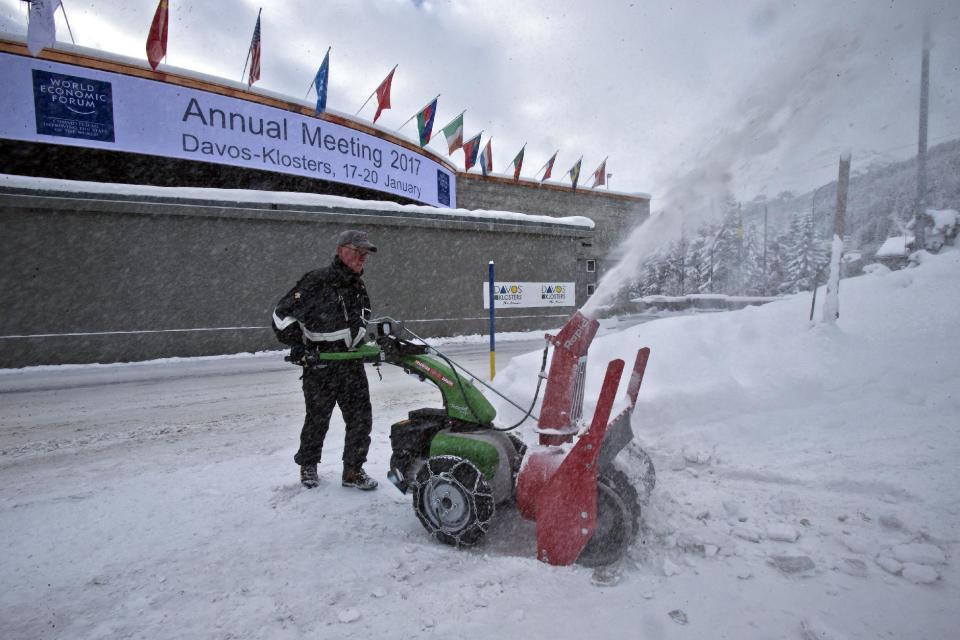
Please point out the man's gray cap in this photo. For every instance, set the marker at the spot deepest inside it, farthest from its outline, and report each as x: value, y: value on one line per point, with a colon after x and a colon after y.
x: 355, y: 238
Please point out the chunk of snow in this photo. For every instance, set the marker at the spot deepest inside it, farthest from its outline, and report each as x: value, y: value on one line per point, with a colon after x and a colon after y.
x: 347, y: 616
x: 793, y: 564
x: 782, y: 533
x: 920, y: 573
x: 919, y: 553
x: 888, y: 564
x: 852, y: 567
x: 747, y: 534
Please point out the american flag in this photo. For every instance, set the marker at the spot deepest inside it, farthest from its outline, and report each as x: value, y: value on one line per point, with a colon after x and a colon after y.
x: 254, y: 55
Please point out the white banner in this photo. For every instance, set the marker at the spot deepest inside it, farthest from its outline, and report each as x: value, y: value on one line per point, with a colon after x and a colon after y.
x: 56, y: 103
x: 530, y: 294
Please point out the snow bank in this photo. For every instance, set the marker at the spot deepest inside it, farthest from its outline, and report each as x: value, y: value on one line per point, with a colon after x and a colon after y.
x: 824, y: 453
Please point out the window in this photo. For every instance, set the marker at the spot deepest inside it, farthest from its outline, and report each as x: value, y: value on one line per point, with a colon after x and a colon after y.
x: 591, y: 266
x: 590, y: 289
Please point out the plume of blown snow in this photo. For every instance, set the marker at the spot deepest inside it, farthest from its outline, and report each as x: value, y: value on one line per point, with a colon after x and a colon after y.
x: 801, y: 92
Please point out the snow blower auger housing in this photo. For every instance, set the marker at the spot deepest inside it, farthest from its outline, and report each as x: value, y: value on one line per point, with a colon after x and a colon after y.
x: 459, y: 466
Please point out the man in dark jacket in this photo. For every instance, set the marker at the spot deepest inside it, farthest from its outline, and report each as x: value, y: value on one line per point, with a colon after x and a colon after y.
x: 324, y: 319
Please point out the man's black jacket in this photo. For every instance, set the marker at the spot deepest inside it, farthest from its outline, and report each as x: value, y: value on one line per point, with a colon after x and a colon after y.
x: 327, y: 310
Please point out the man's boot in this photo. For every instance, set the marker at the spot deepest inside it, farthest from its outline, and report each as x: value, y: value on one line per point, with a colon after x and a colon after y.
x: 358, y: 479
x: 308, y: 476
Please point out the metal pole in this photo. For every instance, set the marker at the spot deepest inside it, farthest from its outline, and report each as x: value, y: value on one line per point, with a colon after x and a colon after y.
x: 765, y: 250
x: 740, y: 278
x: 831, y: 302
x: 493, y: 322
x: 63, y: 10
x: 919, y: 221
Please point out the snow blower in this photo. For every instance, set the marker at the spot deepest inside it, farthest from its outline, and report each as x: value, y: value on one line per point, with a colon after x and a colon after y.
x: 460, y: 466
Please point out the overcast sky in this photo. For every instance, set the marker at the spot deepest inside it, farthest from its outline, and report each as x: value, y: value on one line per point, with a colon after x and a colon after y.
x: 752, y: 96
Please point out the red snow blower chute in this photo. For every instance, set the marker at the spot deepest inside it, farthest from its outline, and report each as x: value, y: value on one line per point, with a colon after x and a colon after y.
x: 584, y: 507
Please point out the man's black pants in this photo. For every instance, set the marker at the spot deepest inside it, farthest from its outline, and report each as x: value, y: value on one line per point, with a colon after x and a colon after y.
x: 341, y: 383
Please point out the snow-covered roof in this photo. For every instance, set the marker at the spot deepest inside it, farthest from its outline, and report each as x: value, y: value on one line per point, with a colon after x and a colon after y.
x: 943, y: 219
x: 894, y: 247
x: 281, y: 198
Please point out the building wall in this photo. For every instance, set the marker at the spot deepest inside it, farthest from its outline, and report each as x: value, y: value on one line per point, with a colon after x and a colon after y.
x: 87, y: 278
x: 614, y: 215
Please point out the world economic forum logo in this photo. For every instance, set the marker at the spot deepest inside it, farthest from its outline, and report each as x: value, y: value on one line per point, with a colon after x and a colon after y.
x: 73, y: 107
x: 443, y: 188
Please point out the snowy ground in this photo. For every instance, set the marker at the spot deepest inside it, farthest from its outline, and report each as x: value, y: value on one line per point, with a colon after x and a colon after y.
x: 807, y: 488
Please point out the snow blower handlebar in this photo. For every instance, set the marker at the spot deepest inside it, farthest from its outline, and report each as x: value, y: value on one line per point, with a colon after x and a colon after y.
x: 389, y: 334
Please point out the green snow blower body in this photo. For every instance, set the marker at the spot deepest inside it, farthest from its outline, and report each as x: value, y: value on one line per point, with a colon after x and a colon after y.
x: 453, y: 460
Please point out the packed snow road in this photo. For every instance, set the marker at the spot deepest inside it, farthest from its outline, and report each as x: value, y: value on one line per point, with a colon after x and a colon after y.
x: 807, y: 488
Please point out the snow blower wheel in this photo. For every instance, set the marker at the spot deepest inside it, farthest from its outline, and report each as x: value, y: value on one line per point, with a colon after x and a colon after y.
x: 618, y: 520
x: 453, y: 500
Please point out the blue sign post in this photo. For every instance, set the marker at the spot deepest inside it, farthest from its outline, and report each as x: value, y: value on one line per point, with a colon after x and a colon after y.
x: 493, y: 328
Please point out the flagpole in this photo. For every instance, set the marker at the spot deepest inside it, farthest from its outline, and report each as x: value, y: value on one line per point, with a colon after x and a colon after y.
x: 249, y: 51
x: 307, y: 94
x: 375, y: 90
x: 67, y: 20
x: 397, y: 130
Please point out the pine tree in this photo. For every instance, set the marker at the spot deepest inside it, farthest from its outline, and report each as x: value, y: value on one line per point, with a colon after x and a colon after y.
x: 751, y: 267
x: 806, y: 254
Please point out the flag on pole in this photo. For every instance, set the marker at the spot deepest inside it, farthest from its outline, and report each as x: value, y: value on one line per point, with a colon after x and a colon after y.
x: 41, y: 26
x: 383, y: 94
x: 486, y: 158
x: 600, y: 175
x: 157, y: 38
x: 320, y: 82
x: 454, y: 134
x: 549, y: 166
x: 575, y: 173
x: 254, y: 55
x: 470, y: 149
x: 425, y: 122
x: 518, y: 163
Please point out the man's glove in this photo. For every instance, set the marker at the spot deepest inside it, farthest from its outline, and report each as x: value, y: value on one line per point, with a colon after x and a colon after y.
x: 297, y: 354
x: 361, y: 337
